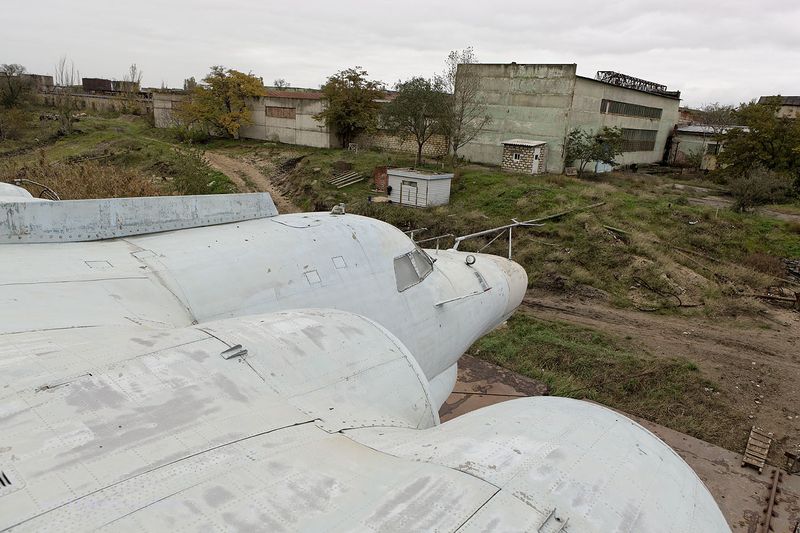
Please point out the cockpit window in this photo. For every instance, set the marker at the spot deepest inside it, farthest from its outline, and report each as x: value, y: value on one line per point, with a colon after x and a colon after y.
x: 411, y: 268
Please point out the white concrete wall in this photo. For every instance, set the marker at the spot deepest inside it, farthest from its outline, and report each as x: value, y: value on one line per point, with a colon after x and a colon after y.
x: 523, y: 101
x: 685, y: 146
x: 304, y: 129
x: 164, y: 105
x: 586, y: 114
x: 543, y: 102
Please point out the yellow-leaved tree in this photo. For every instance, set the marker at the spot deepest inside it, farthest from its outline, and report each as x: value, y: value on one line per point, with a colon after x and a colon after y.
x: 218, y: 105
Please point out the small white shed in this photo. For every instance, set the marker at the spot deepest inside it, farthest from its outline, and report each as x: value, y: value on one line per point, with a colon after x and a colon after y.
x: 417, y: 188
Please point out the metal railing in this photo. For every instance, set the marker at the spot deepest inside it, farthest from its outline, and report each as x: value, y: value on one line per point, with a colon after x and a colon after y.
x: 500, y: 232
x: 437, y: 239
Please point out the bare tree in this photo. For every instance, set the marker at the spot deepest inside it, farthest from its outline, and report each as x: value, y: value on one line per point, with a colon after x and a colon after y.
x: 717, y: 117
x: 131, y: 83
x: 466, y: 114
x: 65, y: 78
x: 281, y: 83
x: 132, y: 79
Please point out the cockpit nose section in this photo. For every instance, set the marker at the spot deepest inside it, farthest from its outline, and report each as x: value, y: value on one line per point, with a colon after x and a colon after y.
x: 515, y: 276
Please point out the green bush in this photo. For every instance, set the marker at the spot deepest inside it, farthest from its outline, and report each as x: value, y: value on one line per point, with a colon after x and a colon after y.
x: 13, y: 123
x: 760, y: 186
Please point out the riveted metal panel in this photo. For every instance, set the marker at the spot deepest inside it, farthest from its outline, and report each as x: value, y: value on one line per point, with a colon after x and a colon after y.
x: 92, y: 220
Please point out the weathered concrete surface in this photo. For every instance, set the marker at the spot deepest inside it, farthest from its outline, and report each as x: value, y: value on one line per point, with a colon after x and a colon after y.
x: 480, y: 384
x: 740, y: 492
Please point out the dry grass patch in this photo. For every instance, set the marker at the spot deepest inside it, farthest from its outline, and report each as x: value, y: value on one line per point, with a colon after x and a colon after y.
x: 88, y: 179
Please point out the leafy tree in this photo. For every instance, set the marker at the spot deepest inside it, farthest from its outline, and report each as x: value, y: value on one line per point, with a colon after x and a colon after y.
x: 419, y: 110
x: 219, y: 104
x: 14, y: 86
x: 466, y: 115
x: 189, y: 84
x: 281, y: 83
x: 767, y: 141
x: 352, y: 105
x: 583, y: 147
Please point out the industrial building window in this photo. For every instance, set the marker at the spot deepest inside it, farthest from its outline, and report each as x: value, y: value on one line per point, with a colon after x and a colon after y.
x: 517, y: 156
x: 279, y: 112
x: 411, y: 268
x: 612, y: 107
x: 638, y: 140
x: 713, y: 149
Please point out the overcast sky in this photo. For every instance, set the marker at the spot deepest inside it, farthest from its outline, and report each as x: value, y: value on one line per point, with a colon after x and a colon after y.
x: 728, y: 51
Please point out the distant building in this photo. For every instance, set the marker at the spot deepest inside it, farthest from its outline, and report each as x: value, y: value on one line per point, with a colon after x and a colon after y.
x: 40, y: 82
x: 697, y: 144
x: 287, y: 116
x: 526, y: 156
x: 790, y: 105
x: 416, y: 188
x: 281, y: 115
x: 102, y: 85
x: 544, y: 102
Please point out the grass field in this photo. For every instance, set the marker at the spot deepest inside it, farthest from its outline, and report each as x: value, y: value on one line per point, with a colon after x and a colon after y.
x: 646, y: 247
x: 586, y: 364
x: 109, y: 143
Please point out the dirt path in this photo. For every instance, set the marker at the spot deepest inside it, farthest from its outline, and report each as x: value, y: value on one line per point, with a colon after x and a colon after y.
x: 721, y: 202
x: 249, y: 179
x: 756, y: 366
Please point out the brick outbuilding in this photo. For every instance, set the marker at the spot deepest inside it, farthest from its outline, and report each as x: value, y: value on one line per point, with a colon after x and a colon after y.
x: 527, y: 156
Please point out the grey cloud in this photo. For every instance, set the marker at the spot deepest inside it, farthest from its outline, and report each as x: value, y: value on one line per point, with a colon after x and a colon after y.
x: 731, y: 52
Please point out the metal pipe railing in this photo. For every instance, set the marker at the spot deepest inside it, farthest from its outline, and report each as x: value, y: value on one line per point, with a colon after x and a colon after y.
x: 437, y: 239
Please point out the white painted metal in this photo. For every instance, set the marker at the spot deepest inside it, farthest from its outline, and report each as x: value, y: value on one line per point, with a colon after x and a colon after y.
x: 179, y: 381
x: 89, y: 220
x: 562, y: 463
x: 285, y: 262
x: 524, y: 142
x: 150, y: 431
x: 418, y: 189
x: 13, y: 193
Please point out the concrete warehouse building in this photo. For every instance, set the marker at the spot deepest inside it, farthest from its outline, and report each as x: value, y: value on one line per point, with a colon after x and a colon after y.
x: 790, y: 105
x: 544, y: 102
x: 285, y: 115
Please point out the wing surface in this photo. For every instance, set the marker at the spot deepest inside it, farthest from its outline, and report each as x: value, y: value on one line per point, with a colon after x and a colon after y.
x: 309, y: 420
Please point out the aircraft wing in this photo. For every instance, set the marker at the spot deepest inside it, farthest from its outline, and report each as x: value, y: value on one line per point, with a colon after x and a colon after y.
x: 308, y: 420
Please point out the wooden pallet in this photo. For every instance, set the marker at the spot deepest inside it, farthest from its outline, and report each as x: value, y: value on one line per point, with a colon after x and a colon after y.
x: 348, y: 178
x: 755, y: 454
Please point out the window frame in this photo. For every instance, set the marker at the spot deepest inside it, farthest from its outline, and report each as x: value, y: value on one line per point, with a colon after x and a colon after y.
x: 422, y: 270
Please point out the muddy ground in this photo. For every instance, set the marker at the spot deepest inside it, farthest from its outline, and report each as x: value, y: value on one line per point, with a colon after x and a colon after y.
x: 756, y: 362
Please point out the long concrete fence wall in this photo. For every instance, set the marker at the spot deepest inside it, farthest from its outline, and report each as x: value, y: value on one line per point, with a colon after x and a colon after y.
x: 103, y: 102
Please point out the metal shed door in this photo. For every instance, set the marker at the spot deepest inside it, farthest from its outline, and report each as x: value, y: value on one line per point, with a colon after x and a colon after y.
x: 408, y: 192
x: 537, y: 155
